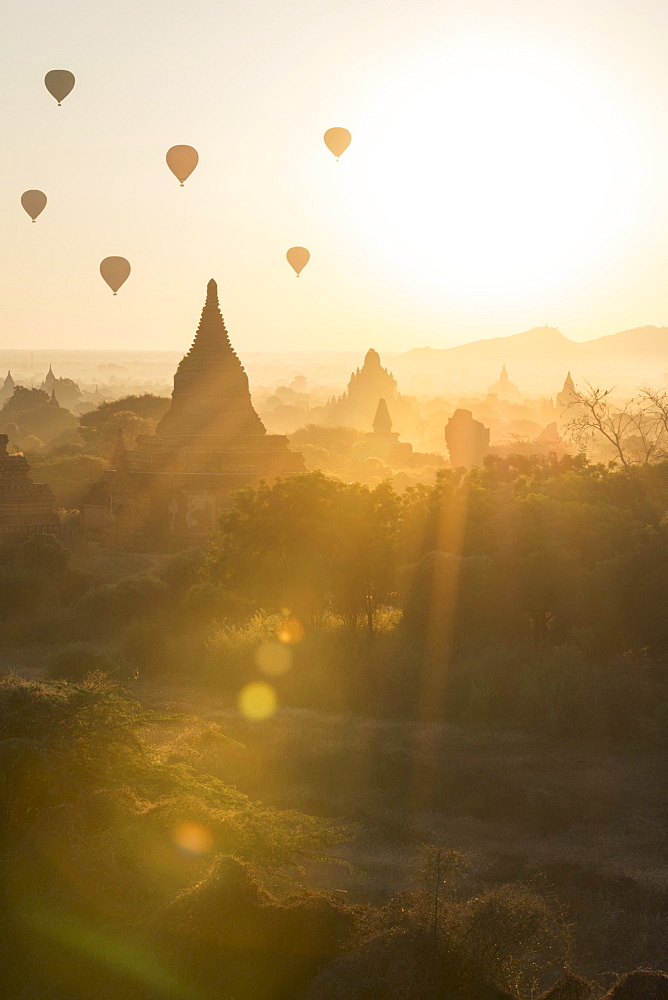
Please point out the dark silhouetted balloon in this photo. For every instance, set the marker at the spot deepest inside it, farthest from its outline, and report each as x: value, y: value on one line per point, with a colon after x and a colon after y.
x: 34, y: 203
x: 298, y: 258
x: 115, y: 271
x: 182, y: 160
x: 337, y: 140
x: 59, y: 83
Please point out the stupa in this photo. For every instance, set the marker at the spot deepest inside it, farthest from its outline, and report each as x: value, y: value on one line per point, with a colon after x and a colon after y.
x: 7, y: 389
x: 357, y: 406
x: 569, y: 395
x: 49, y: 380
x: 384, y: 442
x: 504, y: 389
x: 209, y: 443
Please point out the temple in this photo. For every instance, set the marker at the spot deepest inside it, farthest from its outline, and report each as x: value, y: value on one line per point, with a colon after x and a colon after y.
x: 49, y: 383
x: 210, y: 442
x: 383, y: 442
x: 25, y: 507
x: 568, y: 395
x: 504, y: 389
x: 569, y: 403
x: 467, y: 440
x: 357, y: 406
x: 7, y: 389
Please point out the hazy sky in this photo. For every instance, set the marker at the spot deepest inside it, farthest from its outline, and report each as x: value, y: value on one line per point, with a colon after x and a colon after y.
x: 509, y: 168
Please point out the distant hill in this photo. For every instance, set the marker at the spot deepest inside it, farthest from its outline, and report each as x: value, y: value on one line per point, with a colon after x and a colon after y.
x: 546, y: 345
x: 519, y: 346
x: 539, y: 359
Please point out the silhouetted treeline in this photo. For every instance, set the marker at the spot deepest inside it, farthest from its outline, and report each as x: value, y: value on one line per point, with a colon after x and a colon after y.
x: 528, y: 593
x: 520, y: 549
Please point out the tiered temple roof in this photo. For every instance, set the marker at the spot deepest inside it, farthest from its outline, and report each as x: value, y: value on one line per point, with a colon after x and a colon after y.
x: 211, y: 395
x: 210, y: 442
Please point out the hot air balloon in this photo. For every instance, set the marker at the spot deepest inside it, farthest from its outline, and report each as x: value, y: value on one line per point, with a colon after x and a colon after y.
x: 298, y: 258
x: 34, y: 203
x: 59, y: 83
x: 182, y: 160
x: 337, y: 140
x: 115, y: 271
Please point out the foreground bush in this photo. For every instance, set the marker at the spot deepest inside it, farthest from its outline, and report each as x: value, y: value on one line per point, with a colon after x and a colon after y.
x: 77, y: 660
x: 105, y: 821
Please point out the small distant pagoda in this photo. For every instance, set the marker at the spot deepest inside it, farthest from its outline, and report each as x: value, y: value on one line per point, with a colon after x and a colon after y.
x: 358, y: 404
x: 8, y: 387
x: 50, y: 380
x: 25, y: 507
x: 568, y: 395
x: 569, y: 404
x: 383, y: 442
x: 504, y: 389
x: 211, y: 441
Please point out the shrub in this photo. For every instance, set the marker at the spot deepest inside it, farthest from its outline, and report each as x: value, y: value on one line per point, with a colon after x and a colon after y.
x: 114, y: 604
x: 77, y: 660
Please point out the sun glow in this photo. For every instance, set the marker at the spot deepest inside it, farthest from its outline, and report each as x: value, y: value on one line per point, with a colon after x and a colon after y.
x: 491, y: 169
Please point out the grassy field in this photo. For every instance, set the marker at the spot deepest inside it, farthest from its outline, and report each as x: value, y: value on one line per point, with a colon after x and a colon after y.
x: 586, y: 820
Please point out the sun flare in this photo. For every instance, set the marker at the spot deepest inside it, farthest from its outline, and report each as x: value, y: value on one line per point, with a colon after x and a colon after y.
x: 492, y: 169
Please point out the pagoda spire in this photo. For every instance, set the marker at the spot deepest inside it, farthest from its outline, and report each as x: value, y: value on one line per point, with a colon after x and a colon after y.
x: 211, y: 337
x: 50, y: 380
x: 382, y: 422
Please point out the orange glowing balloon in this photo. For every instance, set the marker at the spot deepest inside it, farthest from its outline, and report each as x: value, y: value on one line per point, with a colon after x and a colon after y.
x: 337, y: 140
x: 182, y: 160
x: 59, y: 83
x: 115, y: 271
x: 34, y: 203
x: 298, y: 258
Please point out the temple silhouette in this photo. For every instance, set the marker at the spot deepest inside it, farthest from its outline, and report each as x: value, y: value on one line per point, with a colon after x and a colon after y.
x: 504, y: 389
x: 467, y: 440
x: 25, y: 507
x: 383, y: 442
x: 210, y: 442
x: 357, y: 406
x: 7, y: 389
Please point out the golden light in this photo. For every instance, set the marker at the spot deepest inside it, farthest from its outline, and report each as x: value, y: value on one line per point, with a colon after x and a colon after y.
x: 193, y: 838
x: 290, y: 631
x: 492, y: 168
x: 273, y: 658
x: 257, y: 701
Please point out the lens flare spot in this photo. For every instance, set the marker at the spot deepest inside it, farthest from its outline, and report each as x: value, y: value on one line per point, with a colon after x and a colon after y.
x: 193, y: 838
x: 257, y: 700
x: 273, y: 659
x: 290, y: 631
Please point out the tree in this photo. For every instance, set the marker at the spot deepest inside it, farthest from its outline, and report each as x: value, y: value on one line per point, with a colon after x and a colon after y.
x: 634, y: 431
x: 33, y: 414
x: 308, y: 543
x: 134, y: 415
